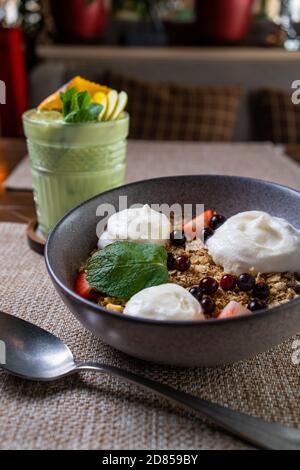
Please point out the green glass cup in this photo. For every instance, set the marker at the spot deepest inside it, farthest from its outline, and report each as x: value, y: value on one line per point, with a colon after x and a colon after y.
x: 72, y: 162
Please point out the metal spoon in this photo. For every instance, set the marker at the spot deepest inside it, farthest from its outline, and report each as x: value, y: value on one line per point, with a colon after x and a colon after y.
x: 35, y: 354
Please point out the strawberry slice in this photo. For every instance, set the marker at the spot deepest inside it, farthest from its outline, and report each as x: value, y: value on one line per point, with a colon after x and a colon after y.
x: 193, y: 228
x: 83, y: 289
x: 233, y: 309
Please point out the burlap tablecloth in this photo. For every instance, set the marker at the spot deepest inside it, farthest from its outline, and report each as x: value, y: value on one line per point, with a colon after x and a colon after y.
x: 152, y: 159
x: 94, y: 411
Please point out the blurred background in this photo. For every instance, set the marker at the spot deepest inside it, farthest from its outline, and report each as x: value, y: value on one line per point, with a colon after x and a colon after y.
x: 234, y: 60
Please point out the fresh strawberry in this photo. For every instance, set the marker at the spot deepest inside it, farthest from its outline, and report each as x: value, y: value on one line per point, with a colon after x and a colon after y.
x: 83, y: 289
x: 193, y: 228
x: 233, y: 309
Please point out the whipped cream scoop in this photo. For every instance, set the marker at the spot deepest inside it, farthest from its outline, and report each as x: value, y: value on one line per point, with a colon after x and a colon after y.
x: 256, y: 240
x: 140, y: 224
x: 164, y: 302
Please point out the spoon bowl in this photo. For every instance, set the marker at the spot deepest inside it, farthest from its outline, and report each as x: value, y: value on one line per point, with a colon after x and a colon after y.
x: 33, y: 353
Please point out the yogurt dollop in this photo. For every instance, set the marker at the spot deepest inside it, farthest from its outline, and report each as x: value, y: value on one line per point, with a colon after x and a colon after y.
x: 255, y: 239
x: 164, y: 302
x: 140, y: 224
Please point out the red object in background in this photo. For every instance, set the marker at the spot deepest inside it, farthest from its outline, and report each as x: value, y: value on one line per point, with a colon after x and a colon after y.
x: 13, y: 73
x: 228, y: 20
x: 81, y: 20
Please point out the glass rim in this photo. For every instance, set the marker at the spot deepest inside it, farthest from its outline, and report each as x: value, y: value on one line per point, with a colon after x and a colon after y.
x: 120, y: 121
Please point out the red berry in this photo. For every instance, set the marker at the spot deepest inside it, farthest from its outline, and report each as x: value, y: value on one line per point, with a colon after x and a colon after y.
x: 228, y: 282
x: 209, y: 285
x: 182, y: 263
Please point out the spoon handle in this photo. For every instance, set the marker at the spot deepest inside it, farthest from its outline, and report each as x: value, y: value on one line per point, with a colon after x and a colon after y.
x: 261, y: 433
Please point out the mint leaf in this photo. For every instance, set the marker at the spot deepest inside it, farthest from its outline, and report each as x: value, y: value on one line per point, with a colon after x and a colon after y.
x: 124, y: 268
x: 71, y: 117
x: 95, y: 109
x: 66, y: 99
x: 84, y: 100
x: 83, y: 115
x: 74, y: 105
x: 77, y: 106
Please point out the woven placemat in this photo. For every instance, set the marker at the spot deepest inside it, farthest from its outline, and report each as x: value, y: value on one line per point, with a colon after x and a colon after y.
x: 94, y: 411
x: 152, y: 159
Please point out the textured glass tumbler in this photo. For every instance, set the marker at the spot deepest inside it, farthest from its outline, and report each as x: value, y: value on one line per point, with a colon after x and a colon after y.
x: 73, y: 162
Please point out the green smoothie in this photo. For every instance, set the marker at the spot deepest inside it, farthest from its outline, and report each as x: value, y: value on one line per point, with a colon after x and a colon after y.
x: 71, y: 162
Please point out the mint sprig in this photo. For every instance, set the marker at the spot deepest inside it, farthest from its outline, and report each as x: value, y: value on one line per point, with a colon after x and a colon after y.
x: 77, y: 106
x: 124, y: 268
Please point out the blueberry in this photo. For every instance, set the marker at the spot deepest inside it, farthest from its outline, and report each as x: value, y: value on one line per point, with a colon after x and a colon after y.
x: 207, y: 304
x: 261, y: 290
x: 171, y: 261
x: 207, y: 233
x: 255, y: 304
x: 216, y: 221
x: 177, y: 238
x: 197, y: 292
x: 246, y: 282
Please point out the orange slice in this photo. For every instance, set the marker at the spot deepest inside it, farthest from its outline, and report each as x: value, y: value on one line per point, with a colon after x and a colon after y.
x: 81, y: 84
x: 53, y: 101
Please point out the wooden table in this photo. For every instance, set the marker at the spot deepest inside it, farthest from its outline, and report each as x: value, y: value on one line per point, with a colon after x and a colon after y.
x: 18, y: 206
x: 15, y: 206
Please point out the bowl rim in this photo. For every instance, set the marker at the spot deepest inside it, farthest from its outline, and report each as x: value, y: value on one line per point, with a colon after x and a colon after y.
x: 190, y: 323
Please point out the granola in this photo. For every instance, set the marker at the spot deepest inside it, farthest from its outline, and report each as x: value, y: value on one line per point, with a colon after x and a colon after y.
x: 283, y: 286
x: 209, y: 256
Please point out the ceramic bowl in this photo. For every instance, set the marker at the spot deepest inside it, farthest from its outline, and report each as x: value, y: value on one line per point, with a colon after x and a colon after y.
x: 188, y: 343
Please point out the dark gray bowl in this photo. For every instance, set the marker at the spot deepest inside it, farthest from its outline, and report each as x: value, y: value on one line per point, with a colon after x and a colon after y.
x: 197, y: 343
